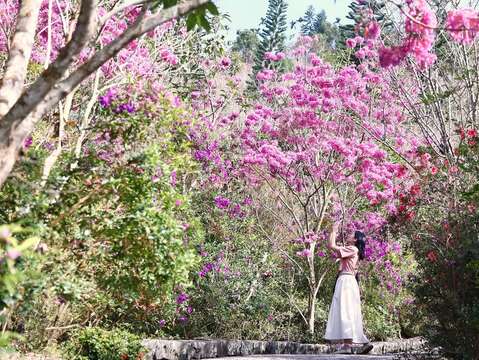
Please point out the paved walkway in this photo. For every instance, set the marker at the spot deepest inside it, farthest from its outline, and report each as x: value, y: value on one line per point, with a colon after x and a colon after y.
x: 309, y: 357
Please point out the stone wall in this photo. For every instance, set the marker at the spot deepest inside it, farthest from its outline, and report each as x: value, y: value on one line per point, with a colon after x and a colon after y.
x: 200, y: 349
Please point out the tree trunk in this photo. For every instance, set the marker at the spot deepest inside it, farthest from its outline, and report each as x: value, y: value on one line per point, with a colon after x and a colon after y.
x: 311, y: 311
x: 20, y: 50
x: 11, y: 142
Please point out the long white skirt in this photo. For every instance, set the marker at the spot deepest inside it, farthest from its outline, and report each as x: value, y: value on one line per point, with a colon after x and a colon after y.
x: 345, y: 320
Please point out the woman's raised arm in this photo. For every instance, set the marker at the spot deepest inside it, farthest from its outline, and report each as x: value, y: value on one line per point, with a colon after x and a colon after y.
x: 332, y: 237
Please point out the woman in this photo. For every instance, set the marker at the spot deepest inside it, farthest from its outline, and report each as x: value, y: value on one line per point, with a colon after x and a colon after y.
x: 345, y: 322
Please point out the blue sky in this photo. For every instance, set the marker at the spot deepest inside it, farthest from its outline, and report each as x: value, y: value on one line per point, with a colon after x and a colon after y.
x: 246, y: 14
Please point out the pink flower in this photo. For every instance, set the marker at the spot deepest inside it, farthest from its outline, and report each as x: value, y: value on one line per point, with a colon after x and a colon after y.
x: 271, y: 56
x: 225, y: 62
x: 351, y: 43
x: 13, y: 254
x: 372, y: 30
x: 168, y: 56
x: 420, y: 25
x: 432, y: 256
x: 463, y: 25
x: 303, y: 253
x: 472, y: 133
x: 173, y: 178
x: 265, y: 74
x: 389, y: 57
x: 5, y: 233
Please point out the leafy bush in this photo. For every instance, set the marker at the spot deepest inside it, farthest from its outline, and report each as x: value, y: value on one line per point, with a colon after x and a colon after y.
x: 15, y: 245
x: 99, y: 344
x: 445, y: 240
x: 126, y: 268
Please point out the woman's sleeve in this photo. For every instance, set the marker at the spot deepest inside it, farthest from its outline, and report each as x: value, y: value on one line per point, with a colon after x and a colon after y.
x: 347, y: 251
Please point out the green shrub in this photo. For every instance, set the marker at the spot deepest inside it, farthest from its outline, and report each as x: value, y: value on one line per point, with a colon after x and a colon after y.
x: 99, y: 344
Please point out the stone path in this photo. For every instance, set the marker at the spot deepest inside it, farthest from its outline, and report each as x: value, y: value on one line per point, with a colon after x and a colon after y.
x: 308, y: 357
x: 162, y: 349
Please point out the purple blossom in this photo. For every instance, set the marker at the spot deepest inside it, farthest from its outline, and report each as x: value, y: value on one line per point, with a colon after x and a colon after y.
x: 225, y: 62
x: 49, y: 146
x: 247, y: 201
x: 162, y: 323
x: 129, y: 107
x: 221, y: 202
x: 206, y: 269
x: 27, y: 143
x: 173, y: 178
x: 106, y: 100
x: 156, y: 176
x: 126, y: 107
x: 396, y: 247
x: 303, y: 253
x: 181, y: 298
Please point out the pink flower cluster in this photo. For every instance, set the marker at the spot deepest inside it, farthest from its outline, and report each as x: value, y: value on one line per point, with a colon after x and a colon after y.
x: 137, y: 58
x: 168, y: 56
x: 314, y: 125
x: 271, y: 56
x: 463, y: 25
x: 420, y: 27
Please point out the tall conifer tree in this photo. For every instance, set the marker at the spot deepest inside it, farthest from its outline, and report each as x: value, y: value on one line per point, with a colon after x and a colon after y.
x: 308, y: 21
x: 272, y: 34
x: 357, y: 8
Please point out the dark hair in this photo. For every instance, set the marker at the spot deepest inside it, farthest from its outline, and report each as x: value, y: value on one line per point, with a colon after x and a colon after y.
x: 360, y: 243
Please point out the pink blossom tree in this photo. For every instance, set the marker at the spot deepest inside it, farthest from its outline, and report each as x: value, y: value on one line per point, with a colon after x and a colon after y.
x: 320, y: 144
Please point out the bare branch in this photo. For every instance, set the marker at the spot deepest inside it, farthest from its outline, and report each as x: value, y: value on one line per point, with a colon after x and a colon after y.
x: 118, y: 9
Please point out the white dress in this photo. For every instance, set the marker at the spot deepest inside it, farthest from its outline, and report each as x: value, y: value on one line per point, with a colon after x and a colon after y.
x: 345, y: 320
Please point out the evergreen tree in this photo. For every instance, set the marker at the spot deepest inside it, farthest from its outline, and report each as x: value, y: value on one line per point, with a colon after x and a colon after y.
x: 272, y: 35
x: 320, y: 23
x: 357, y: 8
x: 313, y: 23
x: 308, y: 21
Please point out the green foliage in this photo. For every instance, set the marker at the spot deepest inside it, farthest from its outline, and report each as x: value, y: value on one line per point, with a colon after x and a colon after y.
x: 308, y: 22
x: 246, y: 44
x: 119, y: 229
x: 272, y: 34
x: 446, y: 282
x: 313, y: 23
x: 246, y: 296
x: 450, y: 290
x: 99, y: 344
x: 197, y: 17
x: 16, y: 243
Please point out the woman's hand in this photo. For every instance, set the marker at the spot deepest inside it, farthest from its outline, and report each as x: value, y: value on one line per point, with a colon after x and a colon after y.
x: 336, y: 226
x: 333, y: 235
